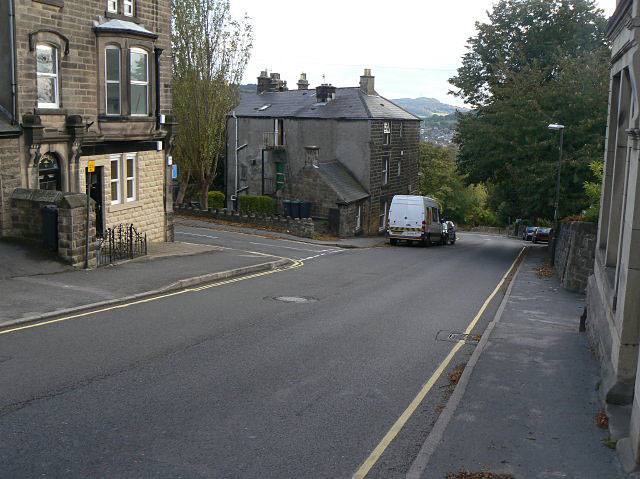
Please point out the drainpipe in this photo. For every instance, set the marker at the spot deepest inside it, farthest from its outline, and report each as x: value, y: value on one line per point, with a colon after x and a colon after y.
x: 235, y: 189
x: 12, y: 41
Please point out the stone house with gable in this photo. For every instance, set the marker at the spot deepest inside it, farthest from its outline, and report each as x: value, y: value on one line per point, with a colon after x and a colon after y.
x: 88, y: 81
x: 347, y: 151
x: 613, y: 291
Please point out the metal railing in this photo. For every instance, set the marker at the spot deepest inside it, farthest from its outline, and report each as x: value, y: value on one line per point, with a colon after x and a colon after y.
x: 120, y: 243
x: 273, y: 140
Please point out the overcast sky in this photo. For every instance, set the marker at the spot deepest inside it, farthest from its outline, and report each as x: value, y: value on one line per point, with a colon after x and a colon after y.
x: 412, y: 46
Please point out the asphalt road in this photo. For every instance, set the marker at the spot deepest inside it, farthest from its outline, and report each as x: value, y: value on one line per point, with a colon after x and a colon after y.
x: 228, y: 382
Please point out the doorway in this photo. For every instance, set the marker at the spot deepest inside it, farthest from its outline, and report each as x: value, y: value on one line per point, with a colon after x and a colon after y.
x: 95, y: 180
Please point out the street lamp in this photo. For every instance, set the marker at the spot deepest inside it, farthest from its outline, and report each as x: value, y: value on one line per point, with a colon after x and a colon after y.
x: 555, y: 126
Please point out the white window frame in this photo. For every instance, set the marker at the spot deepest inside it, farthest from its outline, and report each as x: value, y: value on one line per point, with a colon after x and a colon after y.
x: 118, y: 159
x: 278, y: 133
x: 107, y: 81
x: 112, y: 6
x: 386, y: 133
x: 54, y: 75
x: 385, y: 170
x: 383, y: 215
x: 133, y: 179
x: 137, y: 82
x: 127, y: 8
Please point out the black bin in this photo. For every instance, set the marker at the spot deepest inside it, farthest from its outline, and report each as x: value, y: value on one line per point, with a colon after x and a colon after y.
x: 305, y: 209
x: 286, y: 205
x: 49, y: 227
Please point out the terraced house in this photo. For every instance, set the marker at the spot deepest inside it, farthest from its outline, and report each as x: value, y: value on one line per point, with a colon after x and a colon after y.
x: 88, y: 82
x: 345, y: 151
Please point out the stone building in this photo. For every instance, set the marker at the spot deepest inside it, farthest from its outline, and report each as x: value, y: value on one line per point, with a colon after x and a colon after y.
x: 347, y: 151
x: 613, y: 292
x: 85, y: 81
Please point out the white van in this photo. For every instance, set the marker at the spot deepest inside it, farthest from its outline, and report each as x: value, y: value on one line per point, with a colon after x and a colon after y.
x: 414, y: 218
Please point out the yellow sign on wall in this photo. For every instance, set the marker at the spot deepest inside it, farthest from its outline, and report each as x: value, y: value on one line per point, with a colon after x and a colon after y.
x: 91, y: 166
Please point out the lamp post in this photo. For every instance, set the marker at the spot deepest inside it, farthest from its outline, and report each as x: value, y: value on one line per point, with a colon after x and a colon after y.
x: 555, y: 126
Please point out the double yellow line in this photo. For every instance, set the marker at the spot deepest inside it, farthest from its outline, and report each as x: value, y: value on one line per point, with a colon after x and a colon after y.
x: 408, y: 412
x: 295, y: 264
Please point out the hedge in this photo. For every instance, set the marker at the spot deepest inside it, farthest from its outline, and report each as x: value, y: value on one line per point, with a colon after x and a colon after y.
x: 264, y: 205
x: 216, y: 199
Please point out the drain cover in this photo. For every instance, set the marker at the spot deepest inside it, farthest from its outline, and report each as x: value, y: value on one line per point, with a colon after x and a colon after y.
x: 294, y: 299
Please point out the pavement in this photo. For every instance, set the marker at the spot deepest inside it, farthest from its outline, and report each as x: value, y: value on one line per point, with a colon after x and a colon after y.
x: 526, y: 404
x: 29, y: 294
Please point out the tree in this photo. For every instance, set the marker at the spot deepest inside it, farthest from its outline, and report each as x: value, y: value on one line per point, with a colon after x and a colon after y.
x: 553, y: 68
x: 210, y: 54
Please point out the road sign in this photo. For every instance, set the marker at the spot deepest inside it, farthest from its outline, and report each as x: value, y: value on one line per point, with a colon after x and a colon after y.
x: 174, y: 171
x: 91, y: 166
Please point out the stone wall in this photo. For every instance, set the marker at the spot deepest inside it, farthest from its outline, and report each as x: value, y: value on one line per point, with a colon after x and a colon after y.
x: 26, y: 220
x: 299, y: 227
x: 146, y: 212
x: 494, y: 230
x: 9, y: 179
x: 574, y: 254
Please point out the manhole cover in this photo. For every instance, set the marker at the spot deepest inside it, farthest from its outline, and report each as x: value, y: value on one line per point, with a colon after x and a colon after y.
x: 294, y: 299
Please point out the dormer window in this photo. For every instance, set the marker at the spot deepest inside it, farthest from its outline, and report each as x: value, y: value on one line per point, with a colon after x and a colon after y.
x: 112, y: 6
x: 127, y: 8
x: 47, y: 76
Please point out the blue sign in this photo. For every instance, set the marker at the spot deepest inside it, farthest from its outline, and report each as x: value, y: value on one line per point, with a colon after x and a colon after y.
x: 174, y: 171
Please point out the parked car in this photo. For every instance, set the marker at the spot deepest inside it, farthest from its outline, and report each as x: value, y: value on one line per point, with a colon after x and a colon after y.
x: 414, y: 218
x: 527, y: 234
x: 448, y: 232
x: 541, y: 234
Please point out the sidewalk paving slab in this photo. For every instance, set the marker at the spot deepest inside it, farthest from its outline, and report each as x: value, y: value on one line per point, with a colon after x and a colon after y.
x: 530, y: 403
x: 168, y: 267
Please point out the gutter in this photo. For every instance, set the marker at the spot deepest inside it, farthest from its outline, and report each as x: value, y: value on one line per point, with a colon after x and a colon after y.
x: 12, y: 41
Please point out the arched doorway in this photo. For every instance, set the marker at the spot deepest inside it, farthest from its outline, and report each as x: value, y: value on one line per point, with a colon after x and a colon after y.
x: 49, y: 172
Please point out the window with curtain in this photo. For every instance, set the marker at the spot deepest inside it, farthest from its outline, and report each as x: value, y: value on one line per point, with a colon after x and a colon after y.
x: 47, y: 76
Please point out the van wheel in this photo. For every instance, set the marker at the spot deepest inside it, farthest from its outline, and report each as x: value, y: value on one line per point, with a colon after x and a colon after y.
x: 453, y: 241
x: 393, y: 241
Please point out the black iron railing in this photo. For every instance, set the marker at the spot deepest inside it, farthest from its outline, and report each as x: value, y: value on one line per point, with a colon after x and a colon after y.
x: 120, y: 243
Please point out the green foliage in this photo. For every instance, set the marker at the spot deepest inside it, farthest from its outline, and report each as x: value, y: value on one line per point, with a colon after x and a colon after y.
x: 536, y: 62
x: 592, y: 190
x: 216, y: 199
x: 440, y: 179
x: 262, y: 205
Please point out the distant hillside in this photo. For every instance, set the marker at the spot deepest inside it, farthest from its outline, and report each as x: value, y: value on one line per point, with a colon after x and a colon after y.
x: 250, y: 88
x: 426, y: 107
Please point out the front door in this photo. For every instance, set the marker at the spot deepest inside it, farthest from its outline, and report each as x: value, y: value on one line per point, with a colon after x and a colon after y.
x: 95, y: 179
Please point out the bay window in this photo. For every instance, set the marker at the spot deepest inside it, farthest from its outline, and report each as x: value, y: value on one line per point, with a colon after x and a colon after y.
x: 112, y: 80
x: 139, y: 78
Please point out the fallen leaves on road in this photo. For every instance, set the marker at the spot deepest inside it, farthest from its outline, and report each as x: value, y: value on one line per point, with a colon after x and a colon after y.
x: 477, y: 337
x: 477, y: 475
x: 610, y: 443
x: 454, y: 377
x: 602, y: 420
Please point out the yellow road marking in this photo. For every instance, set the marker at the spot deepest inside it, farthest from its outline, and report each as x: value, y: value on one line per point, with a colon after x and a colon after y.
x: 296, y: 264
x: 408, y: 412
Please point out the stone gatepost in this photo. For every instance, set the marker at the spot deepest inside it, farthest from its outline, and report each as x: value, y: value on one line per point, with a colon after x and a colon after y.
x: 72, y: 230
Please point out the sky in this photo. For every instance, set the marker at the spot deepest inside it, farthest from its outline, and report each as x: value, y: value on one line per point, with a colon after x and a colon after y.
x: 412, y: 46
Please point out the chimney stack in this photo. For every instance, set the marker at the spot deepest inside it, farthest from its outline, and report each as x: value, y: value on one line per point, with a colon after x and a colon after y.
x: 367, y: 82
x: 303, y: 84
x: 325, y: 93
x: 270, y: 83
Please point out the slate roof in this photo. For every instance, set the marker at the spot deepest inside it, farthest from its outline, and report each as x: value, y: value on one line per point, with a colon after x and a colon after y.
x: 349, y: 103
x: 6, y: 128
x: 122, y: 26
x: 342, y: 182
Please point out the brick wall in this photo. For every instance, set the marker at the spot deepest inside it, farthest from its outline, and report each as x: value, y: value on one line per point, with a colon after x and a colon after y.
x: 575, y: 253
x: 404, y: 150
x: 9, y: 179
